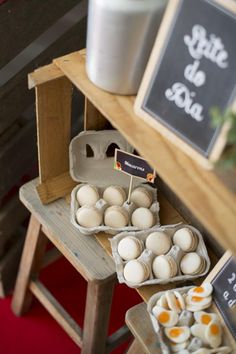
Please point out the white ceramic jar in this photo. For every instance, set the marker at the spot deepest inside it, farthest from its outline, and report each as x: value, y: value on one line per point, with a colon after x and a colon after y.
x: 120, y: 37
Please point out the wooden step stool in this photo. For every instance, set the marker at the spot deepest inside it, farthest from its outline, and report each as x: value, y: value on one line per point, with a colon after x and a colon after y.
x: 50, y: 219
x: 52, y: 222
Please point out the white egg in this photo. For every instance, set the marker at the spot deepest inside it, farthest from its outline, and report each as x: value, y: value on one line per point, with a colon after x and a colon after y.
x: 214, y: 334
x: 164, y: 317
x: 196, y: 308
x: 162, y: 302
x: 180, y: 300
x: 176, y: 347
x: 204, y: 290
x: 199, y: 331
x: 172, y: 301
x: 178, y: 334
x: 196, y: 303
x: 205, y: 317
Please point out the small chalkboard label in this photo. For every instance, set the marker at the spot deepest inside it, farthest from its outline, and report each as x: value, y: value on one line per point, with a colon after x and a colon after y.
x: 133, y: 165
x: 224, y: 284
x: 192, y: 68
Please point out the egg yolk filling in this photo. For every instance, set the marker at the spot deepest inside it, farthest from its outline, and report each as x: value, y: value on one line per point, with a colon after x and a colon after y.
x: 205, y: 319
x: 163, y: 317
x: 214, y: 329
x: 175, y: 332
x: 198, y: 289
x: 196, y: 298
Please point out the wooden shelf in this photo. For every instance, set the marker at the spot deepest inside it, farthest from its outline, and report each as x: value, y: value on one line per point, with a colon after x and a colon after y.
x: 203, y: 192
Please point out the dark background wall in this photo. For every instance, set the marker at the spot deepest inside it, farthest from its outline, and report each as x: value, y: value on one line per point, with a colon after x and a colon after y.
x: 32, y: 34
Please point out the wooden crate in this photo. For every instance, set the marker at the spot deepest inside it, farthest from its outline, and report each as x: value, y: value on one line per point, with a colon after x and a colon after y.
x: 204, y: 193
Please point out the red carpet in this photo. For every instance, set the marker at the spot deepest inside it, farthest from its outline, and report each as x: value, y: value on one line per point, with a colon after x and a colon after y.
x: 38, y: 333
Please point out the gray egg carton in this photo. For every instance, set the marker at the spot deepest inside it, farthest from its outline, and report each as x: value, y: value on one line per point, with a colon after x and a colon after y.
x: 147, y: 256
x: 158, y: 329
x: 162, y: 340
x: 99, y: 171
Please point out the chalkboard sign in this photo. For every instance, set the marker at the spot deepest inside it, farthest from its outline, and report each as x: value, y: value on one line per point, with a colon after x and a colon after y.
x: 192, y: 68
x: 224, y: 285
x: 133, y: 165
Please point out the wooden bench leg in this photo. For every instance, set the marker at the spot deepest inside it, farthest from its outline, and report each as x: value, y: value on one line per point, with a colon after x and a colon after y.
x: 97, y: 314
x: 135, y: 348
x: 31, y: 260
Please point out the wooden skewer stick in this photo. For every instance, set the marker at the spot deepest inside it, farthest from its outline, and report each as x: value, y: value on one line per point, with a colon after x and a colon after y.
x: 130, y: 188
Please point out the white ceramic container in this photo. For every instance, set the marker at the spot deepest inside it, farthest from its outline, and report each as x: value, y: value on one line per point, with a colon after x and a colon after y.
x: 120, y: 36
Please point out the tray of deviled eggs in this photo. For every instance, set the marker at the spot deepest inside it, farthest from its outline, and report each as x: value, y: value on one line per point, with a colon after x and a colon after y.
x: 161, y: 255
x: 185, y: 323
x: 99, y: 201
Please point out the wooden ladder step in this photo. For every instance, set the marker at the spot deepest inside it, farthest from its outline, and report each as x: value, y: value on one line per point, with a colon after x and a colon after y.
x: 117, y: 338
x: 57, y: 311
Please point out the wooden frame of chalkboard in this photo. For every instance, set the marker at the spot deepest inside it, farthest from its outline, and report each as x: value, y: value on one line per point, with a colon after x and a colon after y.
x: 217, y: 274
x: 174, y: 66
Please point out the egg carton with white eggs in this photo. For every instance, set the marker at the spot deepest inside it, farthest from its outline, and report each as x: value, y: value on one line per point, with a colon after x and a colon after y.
x: 162, y: 255
x: 185, y: 323
x: 99, y: 202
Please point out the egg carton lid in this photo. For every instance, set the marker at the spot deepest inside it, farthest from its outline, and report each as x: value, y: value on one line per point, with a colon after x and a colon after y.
x: 98, y: 169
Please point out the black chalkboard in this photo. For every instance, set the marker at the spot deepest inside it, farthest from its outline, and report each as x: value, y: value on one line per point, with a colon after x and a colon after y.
x: 224, y: 285
x: 133, y: 165
x: 187, y: 79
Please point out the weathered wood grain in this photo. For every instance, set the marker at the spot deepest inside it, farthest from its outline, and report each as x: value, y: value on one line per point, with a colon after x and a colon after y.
x: 83, y: 252
x: 138, y: 321
x: 202, y: 191
x: 53, y: 108
x: 97, y: 314
x: 135, y: 348
x: 55, y: 188
x: 31, y: 261
x: 41, y: 76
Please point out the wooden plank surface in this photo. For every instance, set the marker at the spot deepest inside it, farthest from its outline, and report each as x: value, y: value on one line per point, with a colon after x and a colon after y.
x: 142, y: 329
x: 83, y: 252
x: 53, y: 108
x: 203, y: 192
x: 45, y: 74
x: 135, y: 348
x: 55, y: 188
